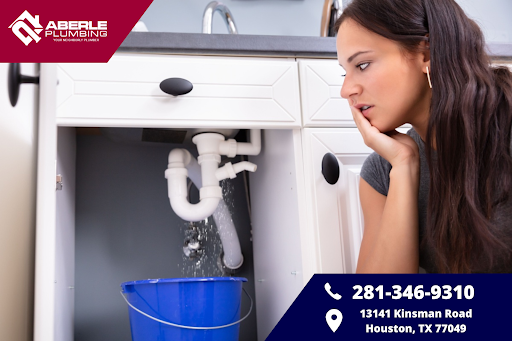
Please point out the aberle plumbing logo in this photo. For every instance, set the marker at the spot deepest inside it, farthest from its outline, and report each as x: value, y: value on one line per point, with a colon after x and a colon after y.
x: 61, y: 31
x: 32, y: 34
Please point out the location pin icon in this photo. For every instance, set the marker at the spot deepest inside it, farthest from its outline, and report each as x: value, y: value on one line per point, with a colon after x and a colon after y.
x: 334, y: 318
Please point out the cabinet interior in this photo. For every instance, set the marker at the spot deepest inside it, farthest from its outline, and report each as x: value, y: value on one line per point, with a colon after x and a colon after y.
x: 115, y: 224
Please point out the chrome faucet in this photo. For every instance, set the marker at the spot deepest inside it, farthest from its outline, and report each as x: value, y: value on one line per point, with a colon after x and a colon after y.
x: 331, y: 12
x: 213, y: 7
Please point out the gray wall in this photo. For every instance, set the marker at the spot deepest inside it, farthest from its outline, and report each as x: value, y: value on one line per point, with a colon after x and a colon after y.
x: 298, y: 18
x: 126, y: 230
x: 277, y: 17
x: 493, y: 16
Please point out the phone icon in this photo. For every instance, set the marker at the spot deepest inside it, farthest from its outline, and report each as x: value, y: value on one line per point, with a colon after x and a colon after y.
x: 327, y: 287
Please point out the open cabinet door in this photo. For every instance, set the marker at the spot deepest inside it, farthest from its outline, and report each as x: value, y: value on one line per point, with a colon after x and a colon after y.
x: 44, y: 307
x: 18, y: 148
x: 55, y: 222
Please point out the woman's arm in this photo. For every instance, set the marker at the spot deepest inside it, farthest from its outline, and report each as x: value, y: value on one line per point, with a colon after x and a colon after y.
x: 390, y: 240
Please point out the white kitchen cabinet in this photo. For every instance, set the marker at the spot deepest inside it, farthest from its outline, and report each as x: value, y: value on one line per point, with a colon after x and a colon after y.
x: 301, y: 224
x: 228, y: 92
x: 322, y: 105
x: 253, y: 93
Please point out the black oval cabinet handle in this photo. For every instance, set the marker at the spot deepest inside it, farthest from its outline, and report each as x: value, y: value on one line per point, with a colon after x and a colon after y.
x: 176, y: 86
x: 15, y: 79
x: 330, y: 168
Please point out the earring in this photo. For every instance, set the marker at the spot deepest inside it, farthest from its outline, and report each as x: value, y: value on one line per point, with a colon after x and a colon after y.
x: 428, y: 76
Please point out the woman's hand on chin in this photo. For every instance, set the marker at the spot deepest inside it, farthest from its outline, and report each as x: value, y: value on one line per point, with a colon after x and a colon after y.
x: 397, y: 148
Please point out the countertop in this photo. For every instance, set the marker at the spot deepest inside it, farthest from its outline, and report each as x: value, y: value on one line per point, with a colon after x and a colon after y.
x: 251, y: 45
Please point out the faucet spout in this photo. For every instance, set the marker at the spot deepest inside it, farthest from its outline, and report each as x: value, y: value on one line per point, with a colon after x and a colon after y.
x: 213, y: 7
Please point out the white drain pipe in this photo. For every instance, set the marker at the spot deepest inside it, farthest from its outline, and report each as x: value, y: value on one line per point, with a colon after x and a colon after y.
x: 231, y: 147
x: 233, y: 258
x: 176, y: 175
x: 206, y: 175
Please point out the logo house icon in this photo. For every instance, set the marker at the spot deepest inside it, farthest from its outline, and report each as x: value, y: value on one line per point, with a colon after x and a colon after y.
x: 19, y: 24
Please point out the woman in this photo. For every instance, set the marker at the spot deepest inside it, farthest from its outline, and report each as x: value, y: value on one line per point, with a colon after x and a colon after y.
x: 438, y: 197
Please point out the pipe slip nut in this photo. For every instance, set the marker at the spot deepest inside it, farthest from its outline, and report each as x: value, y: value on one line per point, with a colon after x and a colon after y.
x: 175, y: 171
x: 208, y: 157
x: 225, y: 172
x: 210, y: 192
x: 228, y: 148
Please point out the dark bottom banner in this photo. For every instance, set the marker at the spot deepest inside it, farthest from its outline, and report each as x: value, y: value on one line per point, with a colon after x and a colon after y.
x: 400, y: 307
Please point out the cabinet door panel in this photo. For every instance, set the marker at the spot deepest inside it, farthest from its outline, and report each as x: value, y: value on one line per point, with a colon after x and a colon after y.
x: 320, y: 86
x: 227, y: 92
x: 322, y: 104
x: 334, y: 215
x: 335, y: 218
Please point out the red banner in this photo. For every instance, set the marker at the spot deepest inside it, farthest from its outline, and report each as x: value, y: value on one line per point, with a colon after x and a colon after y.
x: 66, y: 31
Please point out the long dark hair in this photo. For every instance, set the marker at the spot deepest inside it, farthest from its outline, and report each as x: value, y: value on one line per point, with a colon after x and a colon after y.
x: 470, y: 117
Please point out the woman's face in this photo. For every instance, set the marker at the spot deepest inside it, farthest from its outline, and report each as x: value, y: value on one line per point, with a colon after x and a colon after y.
x: 378, y: 74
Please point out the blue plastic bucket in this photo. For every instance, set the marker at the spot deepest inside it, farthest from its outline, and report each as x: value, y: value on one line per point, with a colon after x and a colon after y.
x: 185, y: 309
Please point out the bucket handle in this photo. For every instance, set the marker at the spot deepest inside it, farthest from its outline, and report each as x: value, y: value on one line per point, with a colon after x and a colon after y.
x: 189, y: 327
